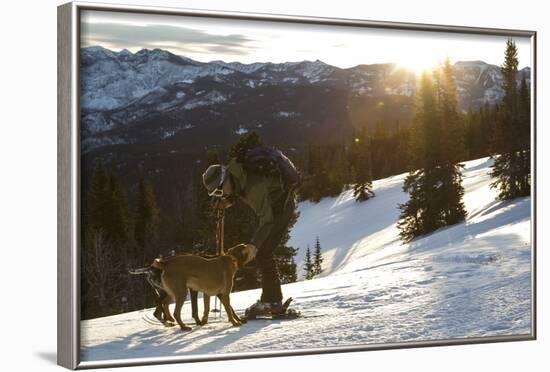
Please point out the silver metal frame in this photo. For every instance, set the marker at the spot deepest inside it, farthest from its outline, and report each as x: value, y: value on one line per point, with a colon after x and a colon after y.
x: 68, y: 180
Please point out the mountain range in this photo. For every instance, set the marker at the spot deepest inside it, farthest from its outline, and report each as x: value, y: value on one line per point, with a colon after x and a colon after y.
x: 154, y: 97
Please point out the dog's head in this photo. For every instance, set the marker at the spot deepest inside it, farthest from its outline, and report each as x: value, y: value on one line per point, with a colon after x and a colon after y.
x: 244, y: 253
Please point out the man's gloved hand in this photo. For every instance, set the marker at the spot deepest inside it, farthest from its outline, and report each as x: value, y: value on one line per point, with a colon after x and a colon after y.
x: 221, y: 203
x: 253, y: 251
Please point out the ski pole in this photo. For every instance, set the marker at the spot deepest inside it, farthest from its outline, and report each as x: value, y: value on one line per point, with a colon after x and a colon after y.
x: 220, y: 244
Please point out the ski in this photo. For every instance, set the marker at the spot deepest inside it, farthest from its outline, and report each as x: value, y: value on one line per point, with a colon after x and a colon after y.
x: 147, y: 319
x: 285, y: 317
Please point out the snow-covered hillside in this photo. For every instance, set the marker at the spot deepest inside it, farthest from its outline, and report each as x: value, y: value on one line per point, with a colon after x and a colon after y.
x: 469, y: 280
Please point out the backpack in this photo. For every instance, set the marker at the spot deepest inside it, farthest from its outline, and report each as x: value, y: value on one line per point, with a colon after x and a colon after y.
x: 271, y: 162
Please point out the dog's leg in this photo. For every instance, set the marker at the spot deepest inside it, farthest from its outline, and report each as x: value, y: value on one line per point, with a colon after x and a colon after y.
x: 159, y: 312
x: 194, y: 306
x: 166, y: 310
x: 206, y: 309
x: 235, y: 316
x: 180, y: 299
x: 229, y: 310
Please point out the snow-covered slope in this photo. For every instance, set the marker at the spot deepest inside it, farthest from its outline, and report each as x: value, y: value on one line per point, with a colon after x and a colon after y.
x: 469, y: 280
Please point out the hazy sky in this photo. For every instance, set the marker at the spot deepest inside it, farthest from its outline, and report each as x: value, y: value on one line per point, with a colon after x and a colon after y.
x: 206, y: 39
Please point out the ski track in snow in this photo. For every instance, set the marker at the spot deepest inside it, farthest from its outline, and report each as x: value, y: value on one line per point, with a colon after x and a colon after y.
x: 469, y: 280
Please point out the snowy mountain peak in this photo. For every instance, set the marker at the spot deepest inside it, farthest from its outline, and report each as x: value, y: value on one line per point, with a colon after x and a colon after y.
x: 470, y: 63
x: 113, y: 83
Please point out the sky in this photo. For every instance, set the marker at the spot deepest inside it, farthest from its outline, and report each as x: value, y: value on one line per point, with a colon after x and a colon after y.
x: 207, y: 39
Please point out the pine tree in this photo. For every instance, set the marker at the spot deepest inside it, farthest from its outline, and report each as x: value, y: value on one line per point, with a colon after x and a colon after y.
x: 96, y: 204
x: 525, y: 137
x: 106, y: 208
x: 146, y: 221
x: 381, y: 152
x: 435, y: 188
x: 119, y: 219
x: 317, y: 258
x: 308, y: 266
x: 245, y: 142
x: 284, y: 254
x: 105, y: 233
x: 511, y: 147
x: 453, y: 150
x: 361, y: 161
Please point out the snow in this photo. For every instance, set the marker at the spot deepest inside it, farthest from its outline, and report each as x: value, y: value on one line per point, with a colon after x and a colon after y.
x: 168, y: 133
x: 285, y: 114
x: 214, y: 97
x: 469, y: 280
x: 313, y: 71
x: 241, y: 130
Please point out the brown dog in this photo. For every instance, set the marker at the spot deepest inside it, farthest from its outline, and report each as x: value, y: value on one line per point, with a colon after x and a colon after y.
x: 212, y: 277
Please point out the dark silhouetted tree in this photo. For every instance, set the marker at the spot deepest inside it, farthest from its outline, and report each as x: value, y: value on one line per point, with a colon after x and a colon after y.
x: 146, y: 221
x: 308, y: 265
x: 435, y: 188
x: 317, y: 258
x: 511, y: 146
x: 361, y: 162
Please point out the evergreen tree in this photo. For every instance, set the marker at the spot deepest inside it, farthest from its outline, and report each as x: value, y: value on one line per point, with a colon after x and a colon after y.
x: 326, y: 172
x: 119, y: 220
x: 335, y: 167
x: 247, y: 141
x: 435, y: 188
x: 146, y: 221
x: 361, y: 161
x: 524, y: 113
x: 105, y: 233
x: 381, y: 151
x: 511, y: 147
x: 106, y: 209
x: 317, y: 258
x: 400, y: 154
x: 284, y: 254
x: 96, y: 205
x: 452, y: 151
x: 308, y: 266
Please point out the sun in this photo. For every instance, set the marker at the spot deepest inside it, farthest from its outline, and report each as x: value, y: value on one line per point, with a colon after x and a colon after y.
x: 419, y: 63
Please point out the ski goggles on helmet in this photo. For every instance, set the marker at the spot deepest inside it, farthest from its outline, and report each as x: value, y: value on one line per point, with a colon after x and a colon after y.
x: 218, y: 191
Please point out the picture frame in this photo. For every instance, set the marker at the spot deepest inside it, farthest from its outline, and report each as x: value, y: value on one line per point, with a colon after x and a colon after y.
x: 70, y: 180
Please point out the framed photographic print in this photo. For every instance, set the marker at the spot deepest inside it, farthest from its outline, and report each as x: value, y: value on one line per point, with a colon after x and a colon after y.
x: 236, y: 185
